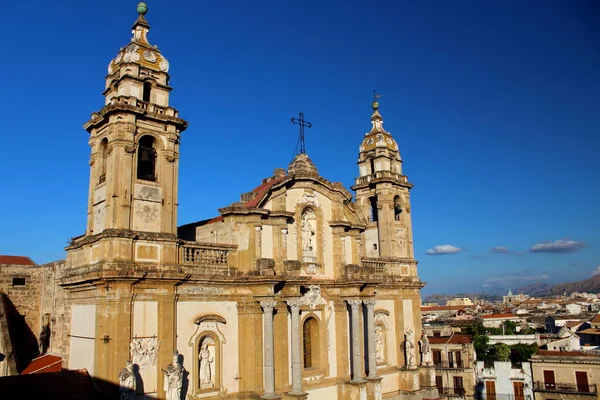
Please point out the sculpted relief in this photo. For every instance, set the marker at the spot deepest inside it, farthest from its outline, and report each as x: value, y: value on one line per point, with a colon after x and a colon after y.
x: 206, y: 359
x: 309, y: 232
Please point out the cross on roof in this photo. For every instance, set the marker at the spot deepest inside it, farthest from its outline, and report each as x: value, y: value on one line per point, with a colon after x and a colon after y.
x: 300, y: 121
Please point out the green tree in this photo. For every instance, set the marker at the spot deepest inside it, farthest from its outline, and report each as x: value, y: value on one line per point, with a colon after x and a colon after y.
x: 522, y: 352
x: 510, y: 328
x: 481, y: 345
x: 499, y: 352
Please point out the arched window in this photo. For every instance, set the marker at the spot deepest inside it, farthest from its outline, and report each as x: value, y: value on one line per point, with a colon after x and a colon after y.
x: 397, y: 208
x: 311, y: 343
x: 146, y: 161
x: 373, y: 217
x: 372, y: 163
x: 102, y: 158
x: 146, y: 92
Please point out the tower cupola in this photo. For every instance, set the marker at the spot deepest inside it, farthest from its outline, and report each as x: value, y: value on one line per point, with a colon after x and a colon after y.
x: 378, y: 150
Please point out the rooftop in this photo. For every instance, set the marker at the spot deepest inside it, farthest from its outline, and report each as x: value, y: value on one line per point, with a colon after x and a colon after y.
x: 16, y: 260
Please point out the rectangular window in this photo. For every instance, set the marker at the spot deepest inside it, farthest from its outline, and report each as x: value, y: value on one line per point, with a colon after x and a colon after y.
x: 459, y: 389
x: 439, y: 383
x: 18, y: 282
x: 458, y: 360
x: 519, y: 390
x: 549, y: 382
x: 437, y: 357
x: 582, y: 381
x: 490, y: 390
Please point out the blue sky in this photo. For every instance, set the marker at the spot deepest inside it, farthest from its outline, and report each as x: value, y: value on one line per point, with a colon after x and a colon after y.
x: 495, y: 106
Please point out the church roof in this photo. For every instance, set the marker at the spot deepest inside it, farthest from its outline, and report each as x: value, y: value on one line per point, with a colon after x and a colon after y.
x: 139, y: 51
x: 42, y: 364
x: 16, y: 260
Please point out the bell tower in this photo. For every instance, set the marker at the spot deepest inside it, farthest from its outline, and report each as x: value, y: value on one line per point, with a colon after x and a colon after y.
x: 134, y: 142
x: 382, y: 193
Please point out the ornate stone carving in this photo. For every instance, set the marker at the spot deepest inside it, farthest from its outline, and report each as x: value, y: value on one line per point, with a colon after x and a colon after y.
x: 354, y: 303
x: 149, y: 56
x: 129, y: 149
x: 207, y: 291
x: 284, y: 233
x: 309, y: 246
x: 268, y: 304
x: 144, y: 352
x: 340, y: 306
x: 171, y: 158
x: 380, y: 343
x: 312, y: 298
x: 148, y: 212
x: 309, y: 198
x: 311, y: 269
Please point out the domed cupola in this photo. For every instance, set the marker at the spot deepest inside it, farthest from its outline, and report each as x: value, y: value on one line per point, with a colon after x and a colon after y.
x: 378, y: 150
x: 378, y: 137
x: 139, y: 50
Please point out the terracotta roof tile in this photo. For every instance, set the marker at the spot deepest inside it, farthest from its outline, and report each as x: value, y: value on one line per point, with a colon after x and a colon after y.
x: 44, y: 363
x: 16, y: 260
x: 590, y: 331
x: 596, y: 319
x: 442, y: 308
x: 506, y: 315
x: 455, y: 338
x: 552, y: 353
x: 572, y: 324
x: 261, y: 191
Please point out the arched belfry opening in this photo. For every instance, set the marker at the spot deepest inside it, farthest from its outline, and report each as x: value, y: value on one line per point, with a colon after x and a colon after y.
x: 397, y: 207
x: 146, y: 159
x: 146, y: 91
x: 102, y: 160
x: 373, y: 216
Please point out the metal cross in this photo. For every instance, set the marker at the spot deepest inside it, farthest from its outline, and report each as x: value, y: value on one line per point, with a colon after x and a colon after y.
x: 300, y: 121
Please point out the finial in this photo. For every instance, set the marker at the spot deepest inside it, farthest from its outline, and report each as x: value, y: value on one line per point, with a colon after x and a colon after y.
x: 142, y: 8
x: 375, y: 104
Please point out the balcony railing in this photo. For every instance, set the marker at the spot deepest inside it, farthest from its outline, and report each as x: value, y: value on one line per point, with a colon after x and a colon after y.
x: 450, y: 365
x: 212, y: 258
x: 381, y: 175
x: 452, y: 391
x: 565, y: 387
x: 382, y: 267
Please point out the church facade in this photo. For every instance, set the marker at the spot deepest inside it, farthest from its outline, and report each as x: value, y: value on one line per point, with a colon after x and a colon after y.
x: 300, y: 290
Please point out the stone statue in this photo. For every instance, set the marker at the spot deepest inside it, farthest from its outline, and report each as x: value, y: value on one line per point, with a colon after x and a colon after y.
x: 426, y: 358
x: 174, y: 378
x: 379, y: 345
x: 205, y: 360
x: 307, y: 234
x: 127, y: 382
x: 409, y: 346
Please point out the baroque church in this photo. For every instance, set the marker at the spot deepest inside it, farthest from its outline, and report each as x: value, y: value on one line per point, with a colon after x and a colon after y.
x: 301, y: 290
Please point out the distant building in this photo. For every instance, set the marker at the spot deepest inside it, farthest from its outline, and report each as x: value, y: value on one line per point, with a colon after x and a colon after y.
x: 453, y: 358
x: 572, y: 375
x: 502, y: 380
x: 459, y: 301
x: 496, y: 320
x: 510, y: 298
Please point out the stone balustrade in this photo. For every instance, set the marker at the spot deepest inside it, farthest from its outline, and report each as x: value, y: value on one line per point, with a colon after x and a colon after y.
x: 205, y: 254
x: 381, y: 267
x: 381, y: 175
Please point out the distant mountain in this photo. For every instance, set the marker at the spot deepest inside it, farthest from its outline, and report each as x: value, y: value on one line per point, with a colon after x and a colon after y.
x: 591, y: 285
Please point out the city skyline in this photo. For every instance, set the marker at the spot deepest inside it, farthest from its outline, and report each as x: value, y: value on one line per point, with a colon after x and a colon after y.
x: 496, y: 122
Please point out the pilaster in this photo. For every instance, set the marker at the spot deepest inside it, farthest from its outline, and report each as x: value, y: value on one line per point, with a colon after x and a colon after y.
x: 250, y: 338
x: 167, y: 328
x: 282, y: 362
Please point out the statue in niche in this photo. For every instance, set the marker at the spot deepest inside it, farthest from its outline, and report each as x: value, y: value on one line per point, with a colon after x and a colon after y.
x: 173, y: 378
x: 426, y: 357
x: 127, y: 382
x: 206, y: 359
x: 409, y: 347
x: 308, y: 233
x: 379, y: 344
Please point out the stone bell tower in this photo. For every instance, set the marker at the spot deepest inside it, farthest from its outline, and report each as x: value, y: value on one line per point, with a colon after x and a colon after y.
x: 134, y: 140
x: 382, y: 193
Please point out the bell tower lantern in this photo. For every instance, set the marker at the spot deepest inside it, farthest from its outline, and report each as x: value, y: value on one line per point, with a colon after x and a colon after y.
x: 134, y: 142
x: 382, y: 193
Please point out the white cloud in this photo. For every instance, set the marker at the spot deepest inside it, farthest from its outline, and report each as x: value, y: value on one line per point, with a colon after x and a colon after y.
x: 558, y: 246
x: 487, y: 285
x: 596, y: 271
x: 500, y: 249
x: 444, y: 249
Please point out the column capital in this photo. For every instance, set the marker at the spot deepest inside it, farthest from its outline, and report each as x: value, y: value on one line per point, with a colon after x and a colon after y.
x: 295, y: 302
x: 370, y: 302
x: 354, y: 303
x: 268, y: 304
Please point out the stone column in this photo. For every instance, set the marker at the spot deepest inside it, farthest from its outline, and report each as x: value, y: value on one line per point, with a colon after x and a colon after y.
x: 356, y: 347
x: 269, y: 367
x: 372, y: 358
x: 296, y: 357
